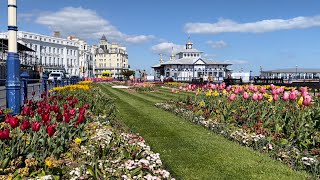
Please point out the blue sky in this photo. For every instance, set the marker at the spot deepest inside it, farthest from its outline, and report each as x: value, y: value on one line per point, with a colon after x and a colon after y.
x: 249, y: 33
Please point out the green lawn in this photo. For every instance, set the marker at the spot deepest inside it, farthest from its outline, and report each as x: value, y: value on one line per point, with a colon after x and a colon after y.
x: 190, y: 151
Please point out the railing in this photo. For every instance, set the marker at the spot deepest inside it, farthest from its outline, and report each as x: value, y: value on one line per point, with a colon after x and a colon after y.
x: 33, y: 88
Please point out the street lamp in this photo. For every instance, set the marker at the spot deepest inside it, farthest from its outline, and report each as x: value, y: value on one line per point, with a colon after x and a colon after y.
x: 296, y: 71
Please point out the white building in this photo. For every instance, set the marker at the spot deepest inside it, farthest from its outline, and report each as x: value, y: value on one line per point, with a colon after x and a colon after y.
x: 189, y: 64
x: 110, y: 57
x: 53, y: 53
x: 86, y: 57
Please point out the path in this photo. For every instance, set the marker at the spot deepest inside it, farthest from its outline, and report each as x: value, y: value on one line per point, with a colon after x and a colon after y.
x: 190, y: 151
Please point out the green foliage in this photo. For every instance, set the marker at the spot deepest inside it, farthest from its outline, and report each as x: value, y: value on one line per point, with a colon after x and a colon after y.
x: 191, y: 152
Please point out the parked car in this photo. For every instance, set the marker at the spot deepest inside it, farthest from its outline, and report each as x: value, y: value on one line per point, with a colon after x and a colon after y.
x: 55, y: 76
x: 74, y: 79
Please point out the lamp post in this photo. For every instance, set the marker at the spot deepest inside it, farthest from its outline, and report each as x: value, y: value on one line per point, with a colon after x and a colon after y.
x: 13, y: 92
x: 296, y: 71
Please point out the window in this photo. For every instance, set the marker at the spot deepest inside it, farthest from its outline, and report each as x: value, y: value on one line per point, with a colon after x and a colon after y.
x: 30, y: 37
x: 68, y: 61
x: 53, y: 50
x: 50, y: 61
x: 67, y: 51
x: 25, y: 36
x: 49, y: 49
x: 117, y: 64
x: 35, y: 47
x: 49, y: 40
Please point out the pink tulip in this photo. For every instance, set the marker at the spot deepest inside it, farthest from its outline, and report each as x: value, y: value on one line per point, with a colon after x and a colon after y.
x: 285, y: 96
x: 304, y: 93
x: 173, y: 90
x: 307, y: 100
x: 292, y: 96
x: 272, y: 87
x: 262, y: 90
x: 255, y: 96
x: 276, y: 97
x: 189, y: 87
x: 232, y: 97
x: 228, y: 88
x: 180, y: 88
x: 245, y: 95
x: 255, y: 89
x: 260, y: 97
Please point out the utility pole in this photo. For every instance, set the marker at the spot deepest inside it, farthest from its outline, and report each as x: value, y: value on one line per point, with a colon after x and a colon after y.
x: 13, y: 85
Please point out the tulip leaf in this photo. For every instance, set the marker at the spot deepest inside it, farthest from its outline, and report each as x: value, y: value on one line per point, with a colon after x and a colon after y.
x: 5, y: 163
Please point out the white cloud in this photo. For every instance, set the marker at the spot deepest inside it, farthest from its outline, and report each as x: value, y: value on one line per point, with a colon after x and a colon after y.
x: 166, y: 48
x: 217, y: 44
x: 86, y: 24
x: 236, y: 61
x: 227, y: 25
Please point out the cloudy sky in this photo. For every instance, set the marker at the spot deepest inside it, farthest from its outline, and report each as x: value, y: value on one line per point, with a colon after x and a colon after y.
x: 249, y: 33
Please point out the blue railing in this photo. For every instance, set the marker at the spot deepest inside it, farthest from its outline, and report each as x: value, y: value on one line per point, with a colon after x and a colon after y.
x: 33, y: 87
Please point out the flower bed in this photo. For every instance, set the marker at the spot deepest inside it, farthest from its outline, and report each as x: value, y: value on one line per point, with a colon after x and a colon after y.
x: 270, y: 119
x: 69, y: 134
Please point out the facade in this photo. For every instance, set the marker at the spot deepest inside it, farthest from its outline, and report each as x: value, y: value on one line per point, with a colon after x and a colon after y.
x: 189, y: 64
x: 110, y: 57
x: 86, y: 56
x: 293, y: 73
x: 52, y: 53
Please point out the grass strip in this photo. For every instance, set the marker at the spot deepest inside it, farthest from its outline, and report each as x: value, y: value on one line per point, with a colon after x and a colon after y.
x: 190, y: 151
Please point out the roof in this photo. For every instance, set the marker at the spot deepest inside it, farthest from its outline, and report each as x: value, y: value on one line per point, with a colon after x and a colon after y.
x: 183, y: 61
x: 4, y: 46
x: 293, y: 70
x: 190, y: 51
x: 103, y: 37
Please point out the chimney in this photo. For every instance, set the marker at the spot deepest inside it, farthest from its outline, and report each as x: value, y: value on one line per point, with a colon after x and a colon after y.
x: 57, y: 34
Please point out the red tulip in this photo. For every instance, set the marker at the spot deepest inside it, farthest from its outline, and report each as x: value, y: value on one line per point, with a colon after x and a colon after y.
x: 51, y: 129
x: 72, y: 112
x: 7, y: 118
x: 66, y: 117
x: 75, y: 100
x: 5, y: 134
x: 25, y: 125
x: 86, y: 106
x: 33, y: 93
x: 1, y: 111
x: 82, y: 110
x: 45, y: 117
x: 59, y: 117
x: 35, y: 126
x: 14, y: 122
x: 80, y: 119
x: 65, y: 106
x: 39, y: 110
x: 25, y: 110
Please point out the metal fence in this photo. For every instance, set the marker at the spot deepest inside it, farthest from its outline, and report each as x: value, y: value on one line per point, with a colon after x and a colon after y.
x: 33, y: 88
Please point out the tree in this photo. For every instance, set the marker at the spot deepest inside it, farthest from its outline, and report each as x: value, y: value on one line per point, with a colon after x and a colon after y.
x: 127, y: 73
